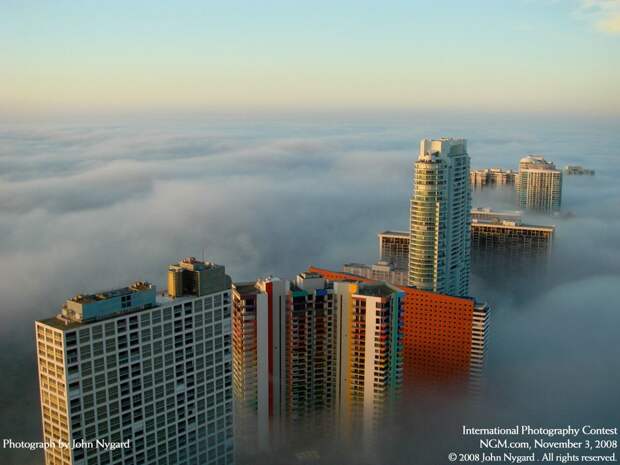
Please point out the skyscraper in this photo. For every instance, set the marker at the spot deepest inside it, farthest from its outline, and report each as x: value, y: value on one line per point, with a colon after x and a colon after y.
x: 248, y: 302
x: 131, y: 366
x: 259, y: 316
x: 539, y: 185
x: 444, y: 337
x: 313, y: 353
x: 439, y: 246
x: 310, y: 352
x: 394, y: 248
x: 370, y: 354
x: 576, y: 170
x: 284, y: 356
x: 380, y: 271
x: 502, y: 243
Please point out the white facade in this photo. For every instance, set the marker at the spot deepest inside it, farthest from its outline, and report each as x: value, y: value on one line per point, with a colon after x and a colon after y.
x: 159, y: 378
x: 439, y: 246
x: 271, y: 381
x: 479, y: 335
x: 540, y: 185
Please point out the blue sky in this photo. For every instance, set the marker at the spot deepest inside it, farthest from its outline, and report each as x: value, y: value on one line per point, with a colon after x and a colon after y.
x: 524, y: 56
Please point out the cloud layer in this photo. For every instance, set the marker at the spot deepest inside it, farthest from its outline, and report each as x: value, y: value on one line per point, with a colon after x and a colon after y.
x: 604, y: 13
x: 89, y: 207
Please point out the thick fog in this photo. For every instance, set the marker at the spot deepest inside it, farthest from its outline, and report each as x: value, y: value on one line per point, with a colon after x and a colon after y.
x: 87, y: 207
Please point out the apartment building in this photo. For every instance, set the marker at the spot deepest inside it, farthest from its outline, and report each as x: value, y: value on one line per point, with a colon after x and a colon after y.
x: 539, y: 185
x: 284, y: 341
x: 492, y: 177
x: 149, y: 373
x: 439, y: 245
x: 394, y: 248
x: 501, y: 241
x: 444, y: 337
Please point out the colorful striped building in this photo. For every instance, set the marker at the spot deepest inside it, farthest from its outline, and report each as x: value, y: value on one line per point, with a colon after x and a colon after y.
x: 444, y: 337
x: 284, y: 337
x: 370, y: 336
x: 312, y: 354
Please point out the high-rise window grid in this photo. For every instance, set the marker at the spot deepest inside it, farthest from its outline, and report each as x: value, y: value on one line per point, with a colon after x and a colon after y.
x: 161, y: 378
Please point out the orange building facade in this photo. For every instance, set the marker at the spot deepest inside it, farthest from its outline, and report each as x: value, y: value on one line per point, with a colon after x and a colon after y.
x: 443, y: 336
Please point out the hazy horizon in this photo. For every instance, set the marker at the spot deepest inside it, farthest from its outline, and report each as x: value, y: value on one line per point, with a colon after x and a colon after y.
x: 522, y: 56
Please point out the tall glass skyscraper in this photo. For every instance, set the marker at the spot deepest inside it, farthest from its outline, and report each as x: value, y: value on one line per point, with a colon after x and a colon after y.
x: 439, y: 246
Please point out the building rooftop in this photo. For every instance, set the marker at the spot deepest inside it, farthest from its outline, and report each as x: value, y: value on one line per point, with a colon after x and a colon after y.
x: 84, y: 307
x: 404, y: 234
x: 356, y: 265
x: 432, y: 149
x: 492, y: 170
x: 486, y: 214
x: 533, y: 159
x: 62, y: 322
x: 310, y: 275
x: 486, y: 210
x: 512, y: 225
x: 481, y: 307
x: 193, y: 264
x: 105, y: 295
x: 376, y: 290
x: 246, y: 288
x: 536, y: 162
x: 508, y: 219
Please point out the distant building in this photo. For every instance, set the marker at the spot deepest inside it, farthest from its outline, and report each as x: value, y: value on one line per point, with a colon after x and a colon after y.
x: 380, y: 271
x: 128, y: 365
x: 500, y: 241
x: 492, y: 176
x: 539, y: 185
x: 439, y: 248
x: 394, y: 248
x: 575, y: 170
x: 487, y: 214
x: 393, y: 244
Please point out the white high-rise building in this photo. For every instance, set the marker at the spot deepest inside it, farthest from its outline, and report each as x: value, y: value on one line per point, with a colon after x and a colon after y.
x: 439, y: 246
x: 539, y: 185
x: 128, y: 376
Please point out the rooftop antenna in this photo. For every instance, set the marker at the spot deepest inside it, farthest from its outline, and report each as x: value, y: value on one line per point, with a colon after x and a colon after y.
x: 204, y: 254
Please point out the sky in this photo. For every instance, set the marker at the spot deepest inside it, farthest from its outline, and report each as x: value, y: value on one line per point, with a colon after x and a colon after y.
x: 279, y: 135
x: 527, y: 56
x: 86, y: 207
